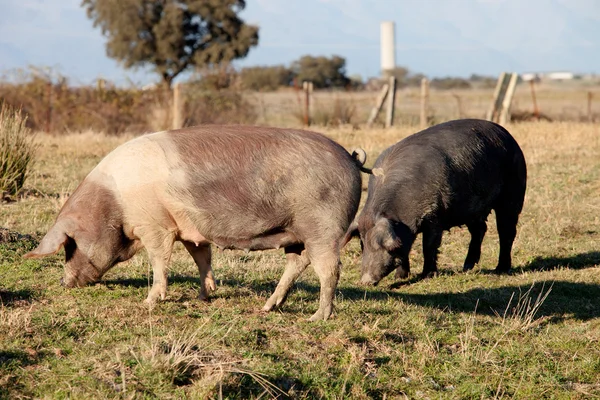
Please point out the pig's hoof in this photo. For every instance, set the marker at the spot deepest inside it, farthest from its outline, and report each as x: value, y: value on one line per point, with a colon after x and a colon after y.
x: 266, y: 308
x: 428, y: 274
x: 211, y: 285
x: 150, y: 302
x: 269, y: 305
x: 203, y: 297
x: 156, y: 293
x: 321, y: 315
x: 402, y: 273
x: 502, y: 271
x: 468, y: 267
x: 206, y: 289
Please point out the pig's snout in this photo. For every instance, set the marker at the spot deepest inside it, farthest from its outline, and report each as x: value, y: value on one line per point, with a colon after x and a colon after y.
x: 68, y: 283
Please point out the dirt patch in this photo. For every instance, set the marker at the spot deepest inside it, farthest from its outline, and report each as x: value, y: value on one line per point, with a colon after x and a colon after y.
x: 8, y: 236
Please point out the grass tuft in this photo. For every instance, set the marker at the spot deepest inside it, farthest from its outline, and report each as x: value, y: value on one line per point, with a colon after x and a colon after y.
x: 521, y: 315
x: 17, y: 149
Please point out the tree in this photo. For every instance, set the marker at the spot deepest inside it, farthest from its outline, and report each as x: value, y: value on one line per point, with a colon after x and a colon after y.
x: 172, y: 35
x: 322, y: 71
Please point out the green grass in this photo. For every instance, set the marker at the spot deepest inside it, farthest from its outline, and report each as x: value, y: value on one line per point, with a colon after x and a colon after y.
x: 530, y: 335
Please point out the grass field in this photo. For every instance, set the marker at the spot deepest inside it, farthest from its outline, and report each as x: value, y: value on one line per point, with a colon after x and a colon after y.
x: 530, y: 335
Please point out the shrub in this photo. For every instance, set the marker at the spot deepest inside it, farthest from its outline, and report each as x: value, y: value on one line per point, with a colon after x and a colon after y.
x: 16, y: 150
x: 323, y: 72
x: 450, y: 83
x: 266, y: 78
x: 216, y: 107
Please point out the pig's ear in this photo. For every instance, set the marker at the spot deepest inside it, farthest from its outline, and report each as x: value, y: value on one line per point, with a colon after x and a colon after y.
x: 350, y: 233
x: 50, y: 244
x: 384, y: 235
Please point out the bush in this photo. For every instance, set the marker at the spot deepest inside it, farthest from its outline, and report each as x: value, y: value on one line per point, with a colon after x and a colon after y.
x: 266, y: 78
x: 323, y: 72
x: 216, y: 107
x: 51, y: 103
x: 450, y: 83
x: 16, y: 150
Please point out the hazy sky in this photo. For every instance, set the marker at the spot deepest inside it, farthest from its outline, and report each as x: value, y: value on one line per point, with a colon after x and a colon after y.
x: 435, y: 37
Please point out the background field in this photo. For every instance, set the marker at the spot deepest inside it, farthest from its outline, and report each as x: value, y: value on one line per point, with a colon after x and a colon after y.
x: 530, y: 335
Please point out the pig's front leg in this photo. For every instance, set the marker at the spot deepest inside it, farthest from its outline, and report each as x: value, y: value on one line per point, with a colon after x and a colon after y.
x: 159, y: 245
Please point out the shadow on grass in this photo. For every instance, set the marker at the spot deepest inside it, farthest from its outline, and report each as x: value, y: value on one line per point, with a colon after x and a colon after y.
x: 11, y: 387
x: 15, y: 297
x: 143, y: 282
x: 566, y: 298
x: 578, y: 261
x: 14, y: 359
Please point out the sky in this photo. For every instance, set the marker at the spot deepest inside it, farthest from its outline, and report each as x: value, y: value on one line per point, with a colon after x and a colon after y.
x: 434, y: 37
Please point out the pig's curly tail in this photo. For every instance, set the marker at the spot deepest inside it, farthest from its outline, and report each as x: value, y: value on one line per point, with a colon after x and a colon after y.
x: 360, y: 157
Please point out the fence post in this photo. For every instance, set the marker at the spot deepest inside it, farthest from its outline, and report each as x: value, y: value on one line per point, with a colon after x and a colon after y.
x: 378, y: 105
x: 391, y: 103
x: 589, y: 107
x: 424, y: 102
x: 307, y: 87
x: 459, y: 106
x: 48, y: 124
x: 536, y: 110
x: 496, y: 100
x: 508, y: 96
x: 177, y: 117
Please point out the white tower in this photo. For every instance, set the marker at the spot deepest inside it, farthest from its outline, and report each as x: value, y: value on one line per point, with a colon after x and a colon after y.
x: 388, y: 46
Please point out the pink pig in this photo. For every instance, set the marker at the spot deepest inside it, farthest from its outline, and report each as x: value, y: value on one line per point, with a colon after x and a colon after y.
x: 238, y: 187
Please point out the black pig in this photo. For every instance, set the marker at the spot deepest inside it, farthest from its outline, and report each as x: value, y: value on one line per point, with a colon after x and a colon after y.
x: 448, y: 175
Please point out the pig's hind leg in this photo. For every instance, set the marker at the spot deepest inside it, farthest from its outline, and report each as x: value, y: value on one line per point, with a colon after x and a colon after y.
x: 202, y: 257
x: 159, y: 245
x: 327, y: 266
x: 297, y: 261
x: 477, y: 230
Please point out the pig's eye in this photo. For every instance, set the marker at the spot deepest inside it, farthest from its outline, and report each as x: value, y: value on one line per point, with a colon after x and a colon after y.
x: 362, y: 246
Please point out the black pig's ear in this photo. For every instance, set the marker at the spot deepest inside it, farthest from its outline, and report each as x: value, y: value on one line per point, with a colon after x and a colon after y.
x: 383, y: 235
x: 350, y: 233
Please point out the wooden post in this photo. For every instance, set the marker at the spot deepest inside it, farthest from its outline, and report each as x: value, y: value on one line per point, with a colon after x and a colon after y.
x: 424, y: 102
x: 378, y: 105
x: 589, y: 107
x: 48, y: 124
x: 311, y: 103
x: 510, y: 91
x: 307, y: 87
x: 177, y: 114
x: 496, y: 100
x: 536, y: 111
x: 391, y: 103
x: 459, y: 107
